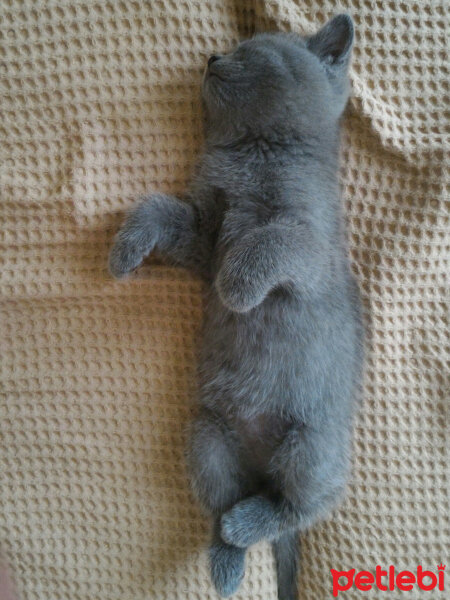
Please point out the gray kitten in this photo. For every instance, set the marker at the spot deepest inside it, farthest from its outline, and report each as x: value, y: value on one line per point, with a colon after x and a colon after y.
x: 270, y: 450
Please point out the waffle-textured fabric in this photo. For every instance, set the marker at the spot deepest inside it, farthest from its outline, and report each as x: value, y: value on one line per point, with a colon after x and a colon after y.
x: 101, y: 103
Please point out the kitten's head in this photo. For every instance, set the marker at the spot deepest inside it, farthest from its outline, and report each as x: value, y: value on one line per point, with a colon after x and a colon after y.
x: 279, y: 81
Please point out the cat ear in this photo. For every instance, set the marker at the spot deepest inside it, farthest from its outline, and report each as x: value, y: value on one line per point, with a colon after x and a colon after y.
x: 333, y: 43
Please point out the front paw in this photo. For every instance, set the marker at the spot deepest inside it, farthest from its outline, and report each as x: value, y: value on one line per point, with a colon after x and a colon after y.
x: 238, y: 294
x: 123, y: 258
x: 135, y: 240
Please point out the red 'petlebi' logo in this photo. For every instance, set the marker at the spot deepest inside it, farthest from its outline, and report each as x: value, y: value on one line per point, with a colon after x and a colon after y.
x: 388, y: 580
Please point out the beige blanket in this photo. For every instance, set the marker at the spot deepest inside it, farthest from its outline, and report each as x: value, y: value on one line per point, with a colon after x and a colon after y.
x: 100, y: 103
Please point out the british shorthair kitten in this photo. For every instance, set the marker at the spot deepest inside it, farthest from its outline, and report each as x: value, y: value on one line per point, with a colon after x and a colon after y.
x: 269, y: 451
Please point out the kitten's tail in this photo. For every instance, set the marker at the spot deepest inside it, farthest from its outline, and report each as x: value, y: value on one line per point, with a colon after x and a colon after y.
x: 286, y: 550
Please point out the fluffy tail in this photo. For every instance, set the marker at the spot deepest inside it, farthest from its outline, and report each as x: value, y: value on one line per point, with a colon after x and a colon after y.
x: 287, y: 559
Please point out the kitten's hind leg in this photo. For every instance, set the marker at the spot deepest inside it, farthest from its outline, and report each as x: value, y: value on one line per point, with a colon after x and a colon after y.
x: 251, y: 520
x: 216, y: 478
x: 309, y: 471
x: 227, y: 564
x: 214, y: 463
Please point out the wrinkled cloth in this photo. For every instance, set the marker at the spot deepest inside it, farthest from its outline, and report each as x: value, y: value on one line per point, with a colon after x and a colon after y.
x: 101, y: 104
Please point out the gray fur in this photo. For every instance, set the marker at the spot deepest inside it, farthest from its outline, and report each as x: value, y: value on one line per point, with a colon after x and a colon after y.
x: 287, y: 556
x: 281, y: 357
x: 227, y: 563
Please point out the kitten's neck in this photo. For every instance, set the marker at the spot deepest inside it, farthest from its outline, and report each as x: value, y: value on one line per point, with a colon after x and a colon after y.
x: 322, y: 145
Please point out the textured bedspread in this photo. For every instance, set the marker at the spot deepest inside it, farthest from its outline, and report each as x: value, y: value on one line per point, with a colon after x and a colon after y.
x: 100, y: 103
